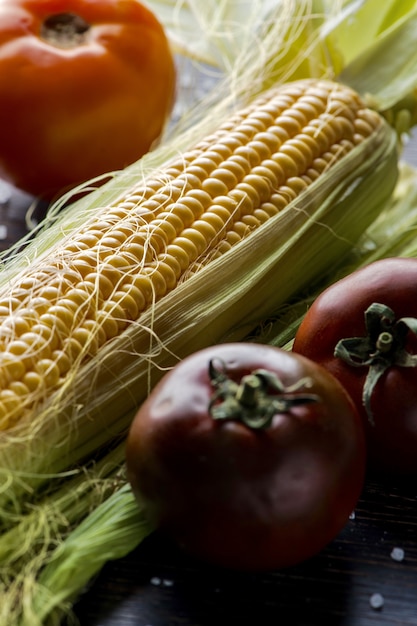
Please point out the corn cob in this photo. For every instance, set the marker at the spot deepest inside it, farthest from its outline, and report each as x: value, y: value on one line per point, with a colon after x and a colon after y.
x: 66, y: 311
x: 107, y: 274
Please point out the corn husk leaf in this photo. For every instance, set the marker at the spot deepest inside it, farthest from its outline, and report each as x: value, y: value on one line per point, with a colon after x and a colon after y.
x: 366, y: 44
x: 211, y: 32
x: 392, y: 234
x: 360, y: 23
x: 29, y: 543
x: 110, y: 532
x: 386, y: 70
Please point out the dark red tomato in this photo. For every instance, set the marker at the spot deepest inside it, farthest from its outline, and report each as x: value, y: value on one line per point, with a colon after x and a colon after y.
x: 374, y: 350
x: 250, y: 457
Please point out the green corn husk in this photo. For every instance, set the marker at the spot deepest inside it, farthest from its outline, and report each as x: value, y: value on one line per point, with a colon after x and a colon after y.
x: 113, y: 530
x: 368, y: 44
x: 393, y: 234
x: 315, y: 230
x: 28, y: 545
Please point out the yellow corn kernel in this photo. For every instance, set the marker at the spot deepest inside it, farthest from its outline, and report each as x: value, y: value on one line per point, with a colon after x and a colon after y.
x: 48, y: 370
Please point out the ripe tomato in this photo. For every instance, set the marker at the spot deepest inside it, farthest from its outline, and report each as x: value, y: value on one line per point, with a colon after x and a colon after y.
x: 85, y: 88
x: 250, y: 457
x: 372, y: 362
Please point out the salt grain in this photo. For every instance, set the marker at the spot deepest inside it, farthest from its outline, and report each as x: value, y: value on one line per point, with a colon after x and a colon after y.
x: 158, y: 582
x: 397, y: 554
x: 376, y: 601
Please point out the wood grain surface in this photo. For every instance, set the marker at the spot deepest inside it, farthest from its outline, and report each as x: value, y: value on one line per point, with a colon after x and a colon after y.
x: 366, y: 577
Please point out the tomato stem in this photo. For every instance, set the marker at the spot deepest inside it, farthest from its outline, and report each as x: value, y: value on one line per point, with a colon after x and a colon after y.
x: 381, y: 348
x: 256, y: 398
x: 384, y: 342
x: 248, y: 391
x: 65, y: 30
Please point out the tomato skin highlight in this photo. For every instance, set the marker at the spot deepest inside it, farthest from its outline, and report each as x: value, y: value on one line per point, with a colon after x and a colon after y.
x: 337, y: 313
x: 241, y: 498
x: 72, y: 113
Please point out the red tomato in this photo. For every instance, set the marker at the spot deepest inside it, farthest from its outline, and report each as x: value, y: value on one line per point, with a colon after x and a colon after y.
x: 389, y: 411
x: 247, y: 469
x: 85, y: 88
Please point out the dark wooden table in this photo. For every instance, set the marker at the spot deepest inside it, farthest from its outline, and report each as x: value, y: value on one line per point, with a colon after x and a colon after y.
x: 366, y: 577
x: 157, y: 586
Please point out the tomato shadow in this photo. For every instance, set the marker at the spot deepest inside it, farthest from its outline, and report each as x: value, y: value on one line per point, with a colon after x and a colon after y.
x: 209, y: 595
x: 158, y: 585
x: 162, y: 586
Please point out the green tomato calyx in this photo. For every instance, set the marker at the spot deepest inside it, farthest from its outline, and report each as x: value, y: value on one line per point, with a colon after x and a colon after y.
x: 381, y: 348
x: 256, y: 399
